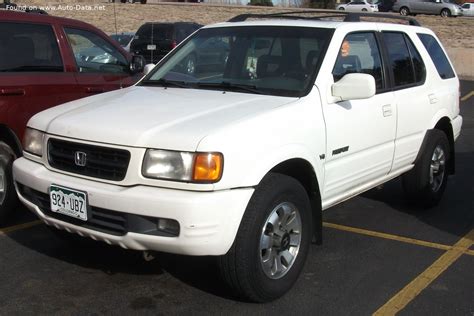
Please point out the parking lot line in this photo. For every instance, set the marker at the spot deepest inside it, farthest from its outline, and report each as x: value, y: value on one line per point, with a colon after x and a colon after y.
x: 470, y: 252
x: 467, y: 96
x: 11, y: 229
x: 387, y: 236
x: 414, y: 288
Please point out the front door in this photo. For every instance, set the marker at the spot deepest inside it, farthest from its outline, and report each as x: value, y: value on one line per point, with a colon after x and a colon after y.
x: 360, y: 133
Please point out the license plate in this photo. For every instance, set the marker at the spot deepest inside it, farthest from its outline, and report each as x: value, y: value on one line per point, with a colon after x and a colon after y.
x: 151, y: 47
x: 68, y: 202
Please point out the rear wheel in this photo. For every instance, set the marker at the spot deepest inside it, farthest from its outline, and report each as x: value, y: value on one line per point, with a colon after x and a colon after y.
x: 364, y: 10
x: 273, y: 240
x: 8, y: 197
x: 445, y: 13
x: 426, y: 182
x: 404, y: 11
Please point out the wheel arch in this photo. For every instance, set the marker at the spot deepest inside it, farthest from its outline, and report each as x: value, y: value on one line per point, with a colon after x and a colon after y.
x: 444, y: 125
x: 9, y: 137
x: 302, y: 171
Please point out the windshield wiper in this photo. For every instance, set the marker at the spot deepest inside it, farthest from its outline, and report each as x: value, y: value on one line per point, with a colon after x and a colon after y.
x: 229, y: 86
x: 166, y: 83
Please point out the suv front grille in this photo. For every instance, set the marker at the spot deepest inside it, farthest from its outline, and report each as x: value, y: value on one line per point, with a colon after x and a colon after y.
x: 99, y: 162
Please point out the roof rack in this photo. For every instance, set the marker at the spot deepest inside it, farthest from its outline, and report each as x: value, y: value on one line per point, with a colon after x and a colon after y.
x: 348, y: 16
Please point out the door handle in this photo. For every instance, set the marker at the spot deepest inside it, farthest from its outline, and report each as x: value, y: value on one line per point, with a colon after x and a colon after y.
x: 11, y: 92
x: 94, y: 90
x: 387, y: 110
x: 433, y: 98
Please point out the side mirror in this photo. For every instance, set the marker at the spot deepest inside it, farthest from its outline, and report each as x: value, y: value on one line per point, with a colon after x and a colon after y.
x: 137, y: 64
x: 148, y: 68
x: 354, y: 86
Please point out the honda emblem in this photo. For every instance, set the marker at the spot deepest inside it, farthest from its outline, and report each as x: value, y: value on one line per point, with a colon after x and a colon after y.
x: 80, y: 158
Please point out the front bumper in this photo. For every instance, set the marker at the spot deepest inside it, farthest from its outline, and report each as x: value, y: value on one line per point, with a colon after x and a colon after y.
x: 208, y: 220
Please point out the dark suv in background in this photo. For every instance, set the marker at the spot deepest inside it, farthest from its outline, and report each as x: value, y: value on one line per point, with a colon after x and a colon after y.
x: 46, y: 61
x: 154, y: 40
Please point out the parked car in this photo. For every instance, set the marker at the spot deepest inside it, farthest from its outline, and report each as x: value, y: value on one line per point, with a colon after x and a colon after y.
x: 445, y: 8
x: 124, y: 39
x: 154, y: 40
x: 239, y: 161
x: 468, y: 9
x: 357, y: 6
x: 384, y: 5
x: 43, y: 64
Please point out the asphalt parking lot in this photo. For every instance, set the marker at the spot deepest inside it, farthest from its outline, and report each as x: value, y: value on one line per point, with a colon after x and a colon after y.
x: 379, y: 256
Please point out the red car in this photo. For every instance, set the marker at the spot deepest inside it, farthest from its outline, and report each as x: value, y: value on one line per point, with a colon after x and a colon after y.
x: 46, y: 61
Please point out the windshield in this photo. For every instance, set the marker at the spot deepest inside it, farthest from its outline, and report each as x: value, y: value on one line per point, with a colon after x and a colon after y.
x: 254, y: 59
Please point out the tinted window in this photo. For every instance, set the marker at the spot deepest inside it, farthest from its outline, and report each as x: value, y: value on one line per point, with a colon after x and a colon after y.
x: 436, y: 53
x: 94, y: 54
x: 28, y: 47
x: 399, y: 58
x: 157, y: 31
x: 418, y: 65
x: 359, y: 53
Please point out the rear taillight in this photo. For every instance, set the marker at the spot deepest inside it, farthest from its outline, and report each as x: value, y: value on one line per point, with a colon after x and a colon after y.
x: 173, y: 44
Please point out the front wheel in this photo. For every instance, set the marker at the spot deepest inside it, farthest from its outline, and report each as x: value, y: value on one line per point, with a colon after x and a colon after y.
x: 341, y: 9
x: 272, y: 243
x: 426, y: 182
x: 445, y: 13
x: 8, y: 197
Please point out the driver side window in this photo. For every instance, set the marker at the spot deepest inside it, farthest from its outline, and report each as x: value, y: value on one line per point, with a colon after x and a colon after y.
x: 359, y: 53
x: 94, y: 54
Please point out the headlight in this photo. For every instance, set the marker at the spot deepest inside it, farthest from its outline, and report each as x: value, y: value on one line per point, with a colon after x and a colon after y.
x: 33, y: 141
x: 183, y: 166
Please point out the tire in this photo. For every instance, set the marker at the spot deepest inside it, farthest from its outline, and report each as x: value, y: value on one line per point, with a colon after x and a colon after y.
x: 364, y: 10
x: 341, y: 9
x: 250, y: 266
x: 427, y: 181
x: 404, y: 11
x: 8, y: 197
x: 123, y: 1
x: 143, y: 1
x: 445, y: 13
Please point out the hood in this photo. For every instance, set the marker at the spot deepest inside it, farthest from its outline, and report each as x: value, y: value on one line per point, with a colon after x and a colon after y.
x: 152, y: 117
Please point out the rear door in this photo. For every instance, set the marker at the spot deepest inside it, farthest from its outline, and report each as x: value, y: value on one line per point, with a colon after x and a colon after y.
x: 33, y: 76
x: 100, y: 66
x: 412, y: 95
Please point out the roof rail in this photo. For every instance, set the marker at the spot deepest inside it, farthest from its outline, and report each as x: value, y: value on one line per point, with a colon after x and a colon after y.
x: 348, y: 16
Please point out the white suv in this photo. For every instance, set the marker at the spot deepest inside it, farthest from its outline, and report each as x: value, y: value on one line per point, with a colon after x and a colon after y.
x: 278, y: 120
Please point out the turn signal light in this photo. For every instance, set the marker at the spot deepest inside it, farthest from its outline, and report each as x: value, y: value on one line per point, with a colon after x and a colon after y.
x: 208, y: 167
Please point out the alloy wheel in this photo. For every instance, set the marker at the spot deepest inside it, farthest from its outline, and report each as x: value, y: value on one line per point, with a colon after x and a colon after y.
x: 437, y: 168
x: 280, y: 240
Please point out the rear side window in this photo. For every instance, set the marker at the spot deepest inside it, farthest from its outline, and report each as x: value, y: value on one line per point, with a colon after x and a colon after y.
x: 28, y: 48
x: 437, y: 55
x: 406, y: 63
x: 157, y: 31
